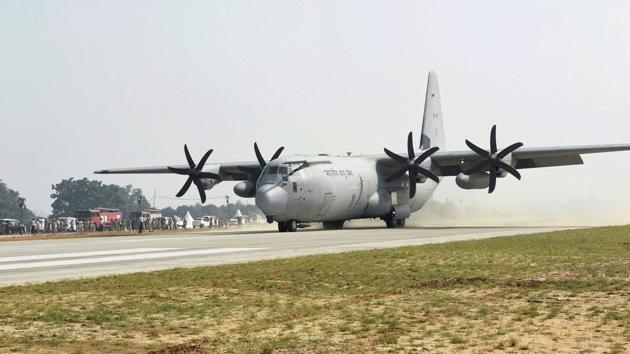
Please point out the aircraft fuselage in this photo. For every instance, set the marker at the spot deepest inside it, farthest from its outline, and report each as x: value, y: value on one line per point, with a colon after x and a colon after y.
x: 333, y: 188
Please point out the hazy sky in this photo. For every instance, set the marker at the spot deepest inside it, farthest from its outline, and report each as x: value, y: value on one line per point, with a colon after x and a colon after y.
x: 86, y: 85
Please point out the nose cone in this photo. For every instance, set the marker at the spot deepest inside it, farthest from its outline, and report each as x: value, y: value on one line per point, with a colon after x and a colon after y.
x: 271, y: 199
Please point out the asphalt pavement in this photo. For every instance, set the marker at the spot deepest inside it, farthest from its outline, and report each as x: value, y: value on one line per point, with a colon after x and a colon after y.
x: 51, y: 260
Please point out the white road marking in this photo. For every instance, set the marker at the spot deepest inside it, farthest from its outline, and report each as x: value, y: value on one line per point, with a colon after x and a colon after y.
x: 81, y: 254
x: 132, y: 257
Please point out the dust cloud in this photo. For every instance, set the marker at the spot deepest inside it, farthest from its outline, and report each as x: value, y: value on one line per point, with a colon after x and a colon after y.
x: 447, y: 213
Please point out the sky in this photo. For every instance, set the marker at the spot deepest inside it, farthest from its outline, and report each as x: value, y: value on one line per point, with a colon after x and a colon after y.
x: 87, y: 85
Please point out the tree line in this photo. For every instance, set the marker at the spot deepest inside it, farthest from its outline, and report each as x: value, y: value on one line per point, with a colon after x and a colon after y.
x: 71, y: 195
x: 9, y: 204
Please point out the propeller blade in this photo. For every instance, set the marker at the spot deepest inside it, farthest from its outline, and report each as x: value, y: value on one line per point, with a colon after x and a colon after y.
x: 210, y: 175
x: 396, y: 157
x: 185, y: 187
x: 493, y: 179
x: 426, y: 173
x: 191, y: 162
x: 259, y: 156
x: 202, y: 192
x: 396, y: 175
x: 493, y: 140
x: 493, y: 160
x: 426, y: 154
x: 203, y: 160
x: 511, y: 170
x: 412, y: 185
x: 410, y: 152
x: 179, y: 171
x: 479, y: 151
x: 508, y: 150
x: 277, y: 154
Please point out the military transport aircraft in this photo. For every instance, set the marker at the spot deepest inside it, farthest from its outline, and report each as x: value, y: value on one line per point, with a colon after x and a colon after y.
x: 296, y: 190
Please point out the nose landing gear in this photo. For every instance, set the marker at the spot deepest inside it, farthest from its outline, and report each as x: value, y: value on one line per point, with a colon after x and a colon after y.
x: 393, y: 223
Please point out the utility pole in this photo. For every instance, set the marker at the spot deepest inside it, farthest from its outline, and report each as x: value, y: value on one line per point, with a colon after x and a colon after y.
x: 227, y: 201
x: 22, y: 204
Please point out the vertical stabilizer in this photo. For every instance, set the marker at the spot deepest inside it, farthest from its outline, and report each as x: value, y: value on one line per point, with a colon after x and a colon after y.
x: 432, y: 124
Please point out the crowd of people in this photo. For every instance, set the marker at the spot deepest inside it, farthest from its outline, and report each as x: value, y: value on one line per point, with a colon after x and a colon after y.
x: 67, y: 224
x: 59, y: 225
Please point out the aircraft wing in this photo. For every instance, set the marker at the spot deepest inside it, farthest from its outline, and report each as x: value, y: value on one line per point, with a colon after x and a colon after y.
x: 230, y: 171
x: 451, y: 163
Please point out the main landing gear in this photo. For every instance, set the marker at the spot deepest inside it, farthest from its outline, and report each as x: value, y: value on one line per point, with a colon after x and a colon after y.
x: 287, y: 226
x: 333, y: 225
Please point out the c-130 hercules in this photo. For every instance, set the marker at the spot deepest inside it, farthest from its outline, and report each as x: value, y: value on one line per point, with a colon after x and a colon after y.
x: 296, y: 190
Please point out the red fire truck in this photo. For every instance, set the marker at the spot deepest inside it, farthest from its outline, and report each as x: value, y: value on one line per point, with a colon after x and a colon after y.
x: 101, y: 218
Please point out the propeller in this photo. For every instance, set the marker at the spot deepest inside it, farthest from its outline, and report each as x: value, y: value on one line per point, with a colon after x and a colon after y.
x: 195, y: 174
x: 411, y: 165
x: 260, y: 158
x: 494, y: 159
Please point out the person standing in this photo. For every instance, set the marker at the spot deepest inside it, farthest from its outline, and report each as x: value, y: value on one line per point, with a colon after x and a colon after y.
x: 140, y: 224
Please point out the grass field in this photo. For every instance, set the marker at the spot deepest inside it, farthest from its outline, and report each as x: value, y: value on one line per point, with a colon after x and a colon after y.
x: 565, y: 291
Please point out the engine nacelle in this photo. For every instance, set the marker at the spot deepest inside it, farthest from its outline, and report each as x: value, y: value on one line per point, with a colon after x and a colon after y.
x: 245, y: 189
x: 479, y: 180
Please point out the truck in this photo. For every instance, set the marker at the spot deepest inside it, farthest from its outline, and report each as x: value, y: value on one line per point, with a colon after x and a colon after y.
x: 101, y: 218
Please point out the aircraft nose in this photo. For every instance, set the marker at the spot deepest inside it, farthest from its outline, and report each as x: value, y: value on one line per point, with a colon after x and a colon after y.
x: 271, y: 199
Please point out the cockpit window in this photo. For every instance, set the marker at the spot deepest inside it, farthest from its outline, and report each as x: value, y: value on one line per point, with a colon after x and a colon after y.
x: 277, y: 170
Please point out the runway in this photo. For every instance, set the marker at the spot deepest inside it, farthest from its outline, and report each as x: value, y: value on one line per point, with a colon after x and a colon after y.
x: 50, y: 260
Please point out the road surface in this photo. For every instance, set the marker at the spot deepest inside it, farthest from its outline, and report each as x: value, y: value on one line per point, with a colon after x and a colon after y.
x: 50, y: 260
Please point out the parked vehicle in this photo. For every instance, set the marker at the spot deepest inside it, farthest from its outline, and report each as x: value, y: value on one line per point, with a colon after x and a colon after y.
x: 205, y: 221
x: 11, y: 227
x: 67, y: 224
x: 179, y: 222
x: 101, y: 218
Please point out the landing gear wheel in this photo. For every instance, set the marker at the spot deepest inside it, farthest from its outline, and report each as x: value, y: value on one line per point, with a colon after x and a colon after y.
x: 333, y: 225
x: 392, y: 223
x: 291, y: 225
x: 282, y: 226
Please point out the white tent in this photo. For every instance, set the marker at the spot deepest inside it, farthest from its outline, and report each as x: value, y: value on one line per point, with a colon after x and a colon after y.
x: 238, y: 214
x: 188, y: 221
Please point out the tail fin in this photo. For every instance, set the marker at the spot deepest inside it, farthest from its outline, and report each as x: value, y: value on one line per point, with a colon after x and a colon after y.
x: 432, y: 124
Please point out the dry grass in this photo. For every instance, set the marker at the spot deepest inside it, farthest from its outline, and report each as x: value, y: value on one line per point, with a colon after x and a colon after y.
x: 564, y: 291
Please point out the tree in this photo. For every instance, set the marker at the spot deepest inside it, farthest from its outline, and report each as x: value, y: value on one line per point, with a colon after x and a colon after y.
x: 9, y: 204
x: 71, y: 195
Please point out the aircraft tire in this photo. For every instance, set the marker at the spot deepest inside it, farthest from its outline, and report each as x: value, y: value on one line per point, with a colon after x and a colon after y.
x: 333, y: 225
x: 390, y: 223
x: 291, y: 226
x: 282, y: 226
